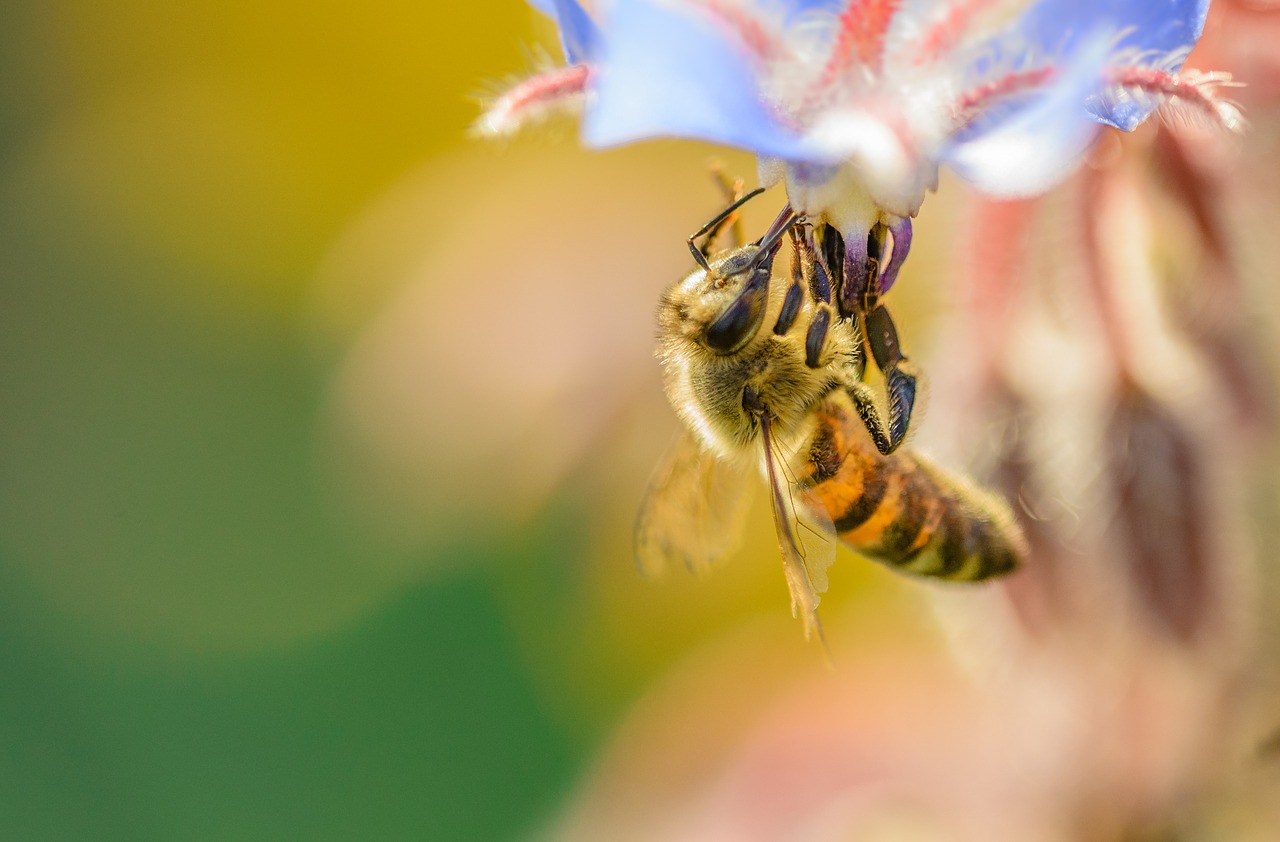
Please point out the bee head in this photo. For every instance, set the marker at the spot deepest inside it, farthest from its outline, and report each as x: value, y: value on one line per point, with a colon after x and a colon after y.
x: 744, y: 276
x: 721, y: 308
x: 721, y: 304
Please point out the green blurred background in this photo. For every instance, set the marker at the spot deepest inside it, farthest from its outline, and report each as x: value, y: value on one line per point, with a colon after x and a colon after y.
x: 322, y: 426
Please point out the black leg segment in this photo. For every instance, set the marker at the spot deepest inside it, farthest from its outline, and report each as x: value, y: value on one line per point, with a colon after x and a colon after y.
x: 899, y: 374
x: 817, y: 337
x: 790, y: 309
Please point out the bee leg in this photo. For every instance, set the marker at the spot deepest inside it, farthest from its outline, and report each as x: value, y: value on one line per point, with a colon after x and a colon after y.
x: 865, y: 402
x: 807, y: 272
x: 816, y: 339
x: 806, y: 265
x: 900, y: 381
x: 830, y: 253
x: 802, y: 277
x: 833, y: 262
x: 790, y: 306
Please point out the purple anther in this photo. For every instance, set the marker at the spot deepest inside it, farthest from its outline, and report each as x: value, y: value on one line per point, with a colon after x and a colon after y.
x: 900, y: 229
x: 857, y: 273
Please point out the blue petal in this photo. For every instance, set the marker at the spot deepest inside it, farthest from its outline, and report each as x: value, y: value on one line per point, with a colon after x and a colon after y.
x: 1060, y: 26
x: 663, y: 72
x: 1040, y: 143
x: 579, y: 35
x: 792, y: 8
x: 1160, y: 27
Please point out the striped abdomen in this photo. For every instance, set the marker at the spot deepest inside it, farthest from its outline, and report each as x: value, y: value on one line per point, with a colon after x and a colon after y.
x: 901, y: 510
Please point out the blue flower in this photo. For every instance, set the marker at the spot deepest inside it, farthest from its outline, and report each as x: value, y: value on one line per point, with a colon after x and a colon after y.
x: 855, y: 105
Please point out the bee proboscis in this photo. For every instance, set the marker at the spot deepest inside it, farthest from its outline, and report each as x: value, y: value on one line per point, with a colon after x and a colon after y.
x: 768, y: 381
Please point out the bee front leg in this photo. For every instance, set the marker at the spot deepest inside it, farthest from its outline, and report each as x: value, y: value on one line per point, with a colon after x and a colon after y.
x: 791, y: 305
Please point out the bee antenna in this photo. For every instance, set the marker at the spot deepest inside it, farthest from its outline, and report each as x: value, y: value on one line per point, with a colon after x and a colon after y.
x: 698, y: 256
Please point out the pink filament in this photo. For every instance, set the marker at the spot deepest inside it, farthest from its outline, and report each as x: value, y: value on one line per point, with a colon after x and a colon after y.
x: 972, y: 102
x: 750, y: 30
x: 860, y: 37
x: 944, y: 33
x: 537, y: 91
x: 1194, y: 88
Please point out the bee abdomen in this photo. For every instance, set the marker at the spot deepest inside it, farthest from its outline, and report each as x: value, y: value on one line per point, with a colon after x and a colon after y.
x: 904, y: 512
x: 961, y: 544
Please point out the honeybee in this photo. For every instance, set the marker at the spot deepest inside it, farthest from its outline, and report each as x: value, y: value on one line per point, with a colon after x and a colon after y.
x: 768, y: 381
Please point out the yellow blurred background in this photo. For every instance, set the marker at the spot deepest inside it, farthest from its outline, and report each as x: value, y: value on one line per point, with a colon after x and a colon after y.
x: 322, y: 428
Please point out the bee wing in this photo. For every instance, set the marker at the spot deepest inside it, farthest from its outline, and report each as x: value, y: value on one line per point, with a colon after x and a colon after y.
x: 806, y: 536
x: 693, y: 511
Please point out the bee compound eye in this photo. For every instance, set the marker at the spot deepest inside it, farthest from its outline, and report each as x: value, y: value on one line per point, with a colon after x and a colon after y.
x: 739, y: 261
x: 740, y: 320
